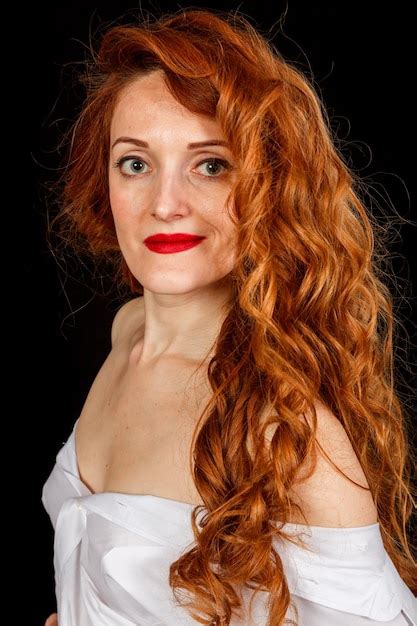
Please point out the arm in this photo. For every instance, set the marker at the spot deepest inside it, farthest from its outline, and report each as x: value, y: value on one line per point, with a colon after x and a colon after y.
x: 328, y: 498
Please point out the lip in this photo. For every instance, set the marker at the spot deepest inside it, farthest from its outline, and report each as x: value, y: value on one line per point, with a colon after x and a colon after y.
x: 168, y: 247
x: 173, y: 238
x: 175, y: 242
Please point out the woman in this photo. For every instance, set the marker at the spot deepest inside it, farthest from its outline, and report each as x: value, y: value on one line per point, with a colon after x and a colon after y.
x: 247, y: 379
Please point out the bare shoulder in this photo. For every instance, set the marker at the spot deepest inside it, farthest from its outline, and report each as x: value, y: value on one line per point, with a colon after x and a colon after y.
x: 130, y: 313
x: 327, y: 497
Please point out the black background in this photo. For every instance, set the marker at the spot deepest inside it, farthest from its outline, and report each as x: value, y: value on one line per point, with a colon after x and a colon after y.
x: 360, y: 57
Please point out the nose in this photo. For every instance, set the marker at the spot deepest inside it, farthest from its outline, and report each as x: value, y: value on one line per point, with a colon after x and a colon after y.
x: 171, y: 196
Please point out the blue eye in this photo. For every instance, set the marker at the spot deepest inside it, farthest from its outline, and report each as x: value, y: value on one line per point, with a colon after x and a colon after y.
x: 215, y: 163
x: 132, y: 168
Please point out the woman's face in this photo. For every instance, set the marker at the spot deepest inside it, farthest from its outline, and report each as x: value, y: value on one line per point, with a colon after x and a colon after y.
x: 169, y: 187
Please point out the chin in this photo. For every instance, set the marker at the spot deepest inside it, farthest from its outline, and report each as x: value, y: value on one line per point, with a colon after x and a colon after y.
x: 171, y: 287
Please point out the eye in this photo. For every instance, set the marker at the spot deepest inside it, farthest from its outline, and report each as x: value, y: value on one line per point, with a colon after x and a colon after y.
x: 133, y: 166
x: 213, y: 166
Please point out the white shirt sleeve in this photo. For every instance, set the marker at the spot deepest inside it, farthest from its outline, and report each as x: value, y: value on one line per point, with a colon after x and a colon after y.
x: 315, y: 614
x: 345, y: 578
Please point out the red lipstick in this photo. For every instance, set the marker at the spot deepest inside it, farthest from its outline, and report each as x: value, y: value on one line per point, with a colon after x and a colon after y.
x: 176, y: 242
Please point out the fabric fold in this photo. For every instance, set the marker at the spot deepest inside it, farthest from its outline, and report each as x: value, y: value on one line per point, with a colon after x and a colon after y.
x: 113, y: 551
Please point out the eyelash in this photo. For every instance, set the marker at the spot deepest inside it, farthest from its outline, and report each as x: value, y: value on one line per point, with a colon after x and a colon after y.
x: 222, y: 162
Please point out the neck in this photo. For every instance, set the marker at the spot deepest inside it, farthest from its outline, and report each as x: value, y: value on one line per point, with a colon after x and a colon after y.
x: 183, y: 326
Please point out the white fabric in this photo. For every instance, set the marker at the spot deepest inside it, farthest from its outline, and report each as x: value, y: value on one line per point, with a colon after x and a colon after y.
x: 112, y: 553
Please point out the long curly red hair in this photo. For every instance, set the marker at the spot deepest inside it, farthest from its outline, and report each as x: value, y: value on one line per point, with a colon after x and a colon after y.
x: 311, y: 316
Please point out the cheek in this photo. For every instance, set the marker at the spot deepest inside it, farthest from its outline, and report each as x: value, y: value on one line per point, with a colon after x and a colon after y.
x: 218, y: 209
x: 227, y: 227
x: 115, y: 196
x: 119, y: 203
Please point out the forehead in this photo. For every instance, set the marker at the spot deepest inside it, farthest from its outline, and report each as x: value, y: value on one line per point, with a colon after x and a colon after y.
x: 146, y: 104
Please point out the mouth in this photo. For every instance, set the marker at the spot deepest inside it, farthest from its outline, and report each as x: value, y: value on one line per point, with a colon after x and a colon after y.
x: 169, y: 246
x: 174, y: 237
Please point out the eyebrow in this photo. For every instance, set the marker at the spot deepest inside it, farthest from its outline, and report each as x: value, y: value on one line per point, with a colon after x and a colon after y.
x: 191, y: 146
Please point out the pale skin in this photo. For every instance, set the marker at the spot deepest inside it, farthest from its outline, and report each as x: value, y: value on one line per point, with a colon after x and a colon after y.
x: 174, y: 191
x: 166, y: 185
x: 168, y: 188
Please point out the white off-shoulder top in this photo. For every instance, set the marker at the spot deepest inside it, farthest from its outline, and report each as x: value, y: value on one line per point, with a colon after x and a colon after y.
x: 112, y: 553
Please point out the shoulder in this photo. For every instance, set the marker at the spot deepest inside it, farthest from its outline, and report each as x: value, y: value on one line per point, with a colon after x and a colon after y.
x: 130, y: 312
x: 327, y: 497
